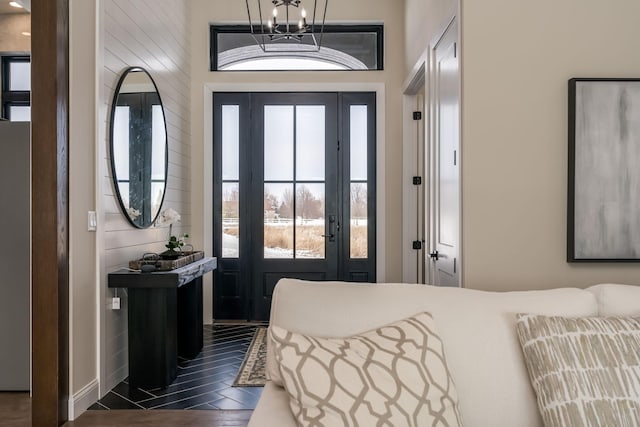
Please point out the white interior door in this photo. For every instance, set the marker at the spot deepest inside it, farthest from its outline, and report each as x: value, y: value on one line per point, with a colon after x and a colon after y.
x: 445, y: 218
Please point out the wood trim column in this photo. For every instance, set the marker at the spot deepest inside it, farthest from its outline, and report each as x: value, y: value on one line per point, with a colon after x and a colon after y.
x: 50, y: 211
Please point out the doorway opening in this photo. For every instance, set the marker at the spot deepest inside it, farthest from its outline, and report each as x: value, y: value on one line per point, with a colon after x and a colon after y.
x: 294, y: 194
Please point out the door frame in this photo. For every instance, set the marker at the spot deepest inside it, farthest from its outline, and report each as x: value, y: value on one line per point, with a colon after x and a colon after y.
x: 422, y: 73
x: 415, y: 263
x: 50, y: 212
x: 210, y: 88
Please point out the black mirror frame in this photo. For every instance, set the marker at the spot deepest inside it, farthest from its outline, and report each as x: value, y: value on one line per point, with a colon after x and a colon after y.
x: 114, y: 100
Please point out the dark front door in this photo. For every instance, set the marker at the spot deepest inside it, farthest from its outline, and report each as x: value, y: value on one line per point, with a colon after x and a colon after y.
x: 294, y: 194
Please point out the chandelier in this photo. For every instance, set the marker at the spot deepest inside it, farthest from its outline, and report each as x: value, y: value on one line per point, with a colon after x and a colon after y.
x: 290, y: 27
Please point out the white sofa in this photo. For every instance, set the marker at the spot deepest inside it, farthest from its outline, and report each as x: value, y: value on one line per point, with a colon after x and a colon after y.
x: 477, y: 329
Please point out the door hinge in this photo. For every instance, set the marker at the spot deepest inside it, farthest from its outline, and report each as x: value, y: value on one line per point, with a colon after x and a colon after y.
x: 417, y: 180
x: 338, y: 145
x: 455, y: 157
x: 455, y: 50
x: 417, y: 115
x: 417, y: 244
x: 454, y: 265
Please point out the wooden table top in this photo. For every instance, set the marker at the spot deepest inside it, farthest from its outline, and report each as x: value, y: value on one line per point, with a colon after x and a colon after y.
x: 126, y: 278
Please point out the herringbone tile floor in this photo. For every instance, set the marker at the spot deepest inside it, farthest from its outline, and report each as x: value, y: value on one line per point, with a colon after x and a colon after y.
x: 204, y: 382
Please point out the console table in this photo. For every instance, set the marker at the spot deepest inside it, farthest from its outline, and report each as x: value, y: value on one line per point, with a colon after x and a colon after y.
x: 165, y: 320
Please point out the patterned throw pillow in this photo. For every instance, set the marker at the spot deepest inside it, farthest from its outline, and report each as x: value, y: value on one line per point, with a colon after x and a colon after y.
x: 392, y: 376
x: 585, y: 371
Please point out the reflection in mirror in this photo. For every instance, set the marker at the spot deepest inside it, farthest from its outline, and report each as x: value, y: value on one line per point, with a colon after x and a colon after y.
x: 138, y: 147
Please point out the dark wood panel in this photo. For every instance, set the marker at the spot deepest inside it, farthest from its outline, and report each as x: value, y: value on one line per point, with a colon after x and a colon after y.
x: 358, y: 276
x: 50, y: 280
x: 231, y: 283
x: 162, y: 279
x: 229, y: 301
x: 153, y: 337
x: 190, y: 338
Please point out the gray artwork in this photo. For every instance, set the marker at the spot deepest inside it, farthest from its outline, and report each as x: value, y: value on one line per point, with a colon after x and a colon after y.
x: 607, y: 170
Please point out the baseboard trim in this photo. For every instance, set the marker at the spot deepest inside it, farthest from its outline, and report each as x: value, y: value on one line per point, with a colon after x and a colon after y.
x: 85, y: 397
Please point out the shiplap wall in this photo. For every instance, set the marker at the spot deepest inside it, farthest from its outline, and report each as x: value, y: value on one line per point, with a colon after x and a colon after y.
x: 155, y: 35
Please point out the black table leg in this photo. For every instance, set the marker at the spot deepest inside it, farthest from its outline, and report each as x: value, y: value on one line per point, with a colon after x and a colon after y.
x: 153, y: 343
x: 190, y: 319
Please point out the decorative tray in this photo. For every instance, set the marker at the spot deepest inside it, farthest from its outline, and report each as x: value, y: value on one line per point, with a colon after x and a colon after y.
x: 187, y: 257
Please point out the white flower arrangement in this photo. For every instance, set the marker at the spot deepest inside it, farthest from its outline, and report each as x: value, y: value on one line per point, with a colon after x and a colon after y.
x: 170, y: 216
x: 133, y: 213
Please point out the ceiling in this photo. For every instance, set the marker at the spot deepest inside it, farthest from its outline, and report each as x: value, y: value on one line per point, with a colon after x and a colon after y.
x: 5, y: 8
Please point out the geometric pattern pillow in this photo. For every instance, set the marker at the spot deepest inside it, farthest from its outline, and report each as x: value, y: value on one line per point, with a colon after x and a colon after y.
x: 393, y: 376
x: 585, y: 371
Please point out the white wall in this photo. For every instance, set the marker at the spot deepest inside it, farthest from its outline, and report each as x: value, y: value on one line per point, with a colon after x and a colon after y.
x: 11, y: 28
x: 155, y: 35
x: 517, y: 58
x: 82, y: 198
x: 424, y: 19
x: 205, y: 12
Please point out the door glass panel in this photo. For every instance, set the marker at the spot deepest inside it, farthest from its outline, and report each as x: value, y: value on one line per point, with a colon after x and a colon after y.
x: 358, y: 142
x: 358, y: 205
x: 158, y: 142
x: 278, y: 220
x: 310, y: 223
x: 230, y: 220
x: 20, y: 76
x: 310, y: 142
x: 278, y: 142
x: 124, y: 192
x: 230, y: 142
x: 20, y: 114
x: 157, y: 191
x: 358, y: 242
x: 121, y: 143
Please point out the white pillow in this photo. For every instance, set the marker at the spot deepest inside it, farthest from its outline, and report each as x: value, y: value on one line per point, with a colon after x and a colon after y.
x: 394, y: 376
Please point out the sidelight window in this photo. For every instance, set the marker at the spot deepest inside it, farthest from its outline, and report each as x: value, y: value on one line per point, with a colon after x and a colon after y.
x: 230, y: 181
x: 16, y: 88
x: 359, y: 200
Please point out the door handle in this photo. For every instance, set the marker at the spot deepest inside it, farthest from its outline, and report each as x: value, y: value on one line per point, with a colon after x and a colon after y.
x: 434, y: 255
x: 332, y: 229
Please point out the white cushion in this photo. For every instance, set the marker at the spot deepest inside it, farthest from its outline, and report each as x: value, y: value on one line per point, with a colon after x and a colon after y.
x: 394, y: 375
x: 272, y: 409
x: 617, y: 300
x: 477, y: 329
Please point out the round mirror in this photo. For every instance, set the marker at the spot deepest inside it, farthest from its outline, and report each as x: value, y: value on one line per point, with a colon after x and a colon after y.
x: 138, y: 146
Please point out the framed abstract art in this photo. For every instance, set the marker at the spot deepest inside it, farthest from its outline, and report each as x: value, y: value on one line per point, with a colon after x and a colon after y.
x: 604, y: 170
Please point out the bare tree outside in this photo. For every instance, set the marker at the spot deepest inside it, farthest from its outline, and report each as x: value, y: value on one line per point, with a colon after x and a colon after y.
x: 307, y: 205
x: 230, y: 203
x: 286, y: 207
x: 358, y: 201
x: 358, y: 242
x: 230, y: 219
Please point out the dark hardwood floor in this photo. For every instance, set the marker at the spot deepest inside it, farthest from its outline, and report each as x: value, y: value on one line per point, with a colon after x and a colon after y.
x: 15, y: 411
x: 162, y: 418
